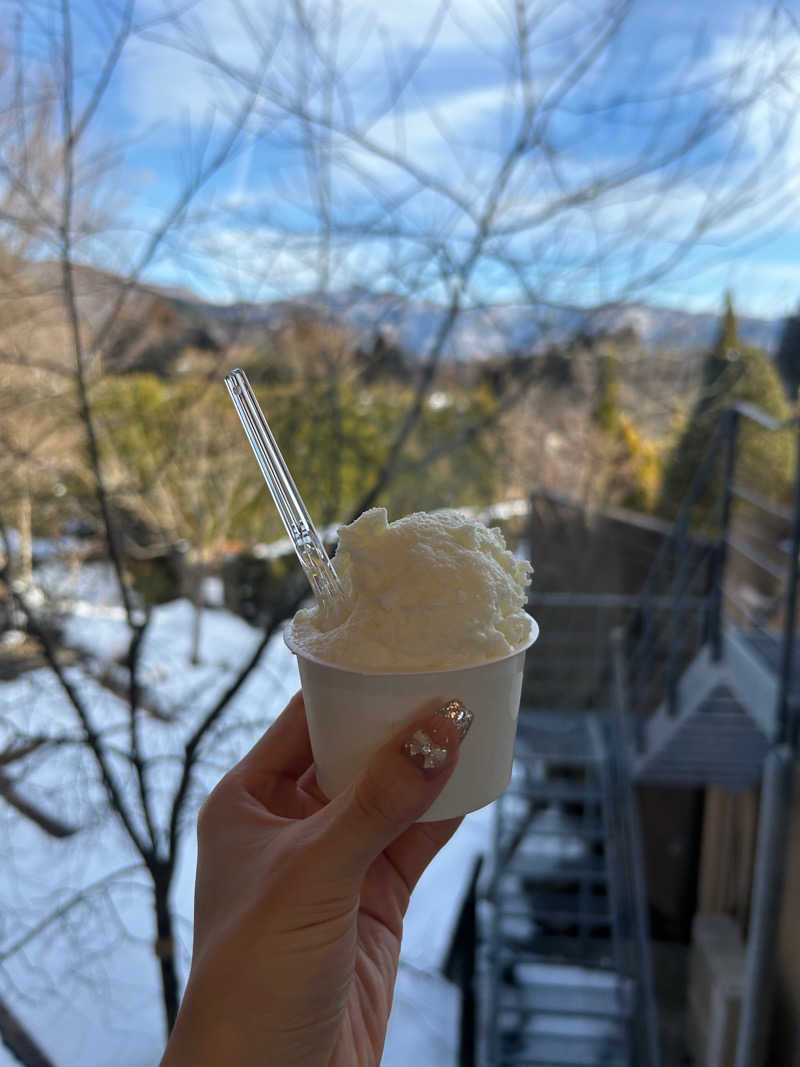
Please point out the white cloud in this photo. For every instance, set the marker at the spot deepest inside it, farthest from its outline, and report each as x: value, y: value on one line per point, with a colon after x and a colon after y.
x: 453, y: 127
x: 762, y: 60
x: 171, y: 89
x: 374, y: 47
x: 446, y: 123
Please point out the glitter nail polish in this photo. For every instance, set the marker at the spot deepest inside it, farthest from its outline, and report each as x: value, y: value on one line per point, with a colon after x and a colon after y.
x: 459, y: 714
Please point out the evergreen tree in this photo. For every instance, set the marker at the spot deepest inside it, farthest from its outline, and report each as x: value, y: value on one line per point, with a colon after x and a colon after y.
x: 732, y: 373
x: 606, y: 405
x: 788, y: 357
x: 635, y: 467
x: 725, y: 349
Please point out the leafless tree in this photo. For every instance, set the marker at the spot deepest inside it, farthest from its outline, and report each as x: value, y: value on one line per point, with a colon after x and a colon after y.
x: 528, y: 202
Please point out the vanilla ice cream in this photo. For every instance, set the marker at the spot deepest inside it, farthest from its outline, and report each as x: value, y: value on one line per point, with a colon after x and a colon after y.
x: 427, y: 592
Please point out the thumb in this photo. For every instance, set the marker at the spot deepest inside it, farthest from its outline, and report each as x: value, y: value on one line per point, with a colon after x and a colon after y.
x: 399, y: 784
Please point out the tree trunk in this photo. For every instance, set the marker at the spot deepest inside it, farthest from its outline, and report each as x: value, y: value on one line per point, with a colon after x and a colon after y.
x: 24, y: 561
x: 197, y: 617
x: 19, y: 1042
x: 165, y: 946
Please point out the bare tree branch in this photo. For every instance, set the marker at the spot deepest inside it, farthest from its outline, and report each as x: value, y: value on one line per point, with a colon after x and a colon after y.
x: 46, y: 822
x: 19, y: 1041
x: 8, y: 951
x: 91, y: 734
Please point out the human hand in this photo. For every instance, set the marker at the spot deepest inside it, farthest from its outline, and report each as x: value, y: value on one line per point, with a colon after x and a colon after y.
x: 299, y: 902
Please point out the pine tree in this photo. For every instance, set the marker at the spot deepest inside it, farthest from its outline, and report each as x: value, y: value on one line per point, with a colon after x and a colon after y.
x: 732, y: 373
x: 723, y: 353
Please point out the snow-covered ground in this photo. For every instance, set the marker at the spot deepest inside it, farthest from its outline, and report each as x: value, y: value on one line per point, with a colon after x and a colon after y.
x: 86, y: 981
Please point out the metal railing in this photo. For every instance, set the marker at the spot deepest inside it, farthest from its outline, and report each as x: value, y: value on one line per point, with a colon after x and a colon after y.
x: 570, y: 665
x: 627, y: 867
x: 731, y: 559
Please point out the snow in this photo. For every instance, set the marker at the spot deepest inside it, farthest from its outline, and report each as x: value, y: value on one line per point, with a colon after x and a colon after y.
x: 79, y: 585
x: 213, y: 592
x: 423, y: 1026
x: 87, y: 984
x: 48, y: 548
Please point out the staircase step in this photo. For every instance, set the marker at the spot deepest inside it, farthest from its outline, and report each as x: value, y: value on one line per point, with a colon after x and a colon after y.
x: 557, y: 737
x: 544, y: 869
x: 573, y: 907
x: 559, y: 990
x: 566, y: 790
x: 545, y: 823
x: 533, y: 747
x: 522, y: 930
x: 563, y: 1041
x: 532, y: 1058
x: 556, y: 948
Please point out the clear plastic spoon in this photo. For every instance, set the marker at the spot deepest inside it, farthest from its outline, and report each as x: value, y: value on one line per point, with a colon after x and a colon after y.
x: 310, y: 551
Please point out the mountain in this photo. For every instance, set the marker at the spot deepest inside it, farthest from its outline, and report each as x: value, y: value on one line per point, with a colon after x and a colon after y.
x: 481, y: 332
x: 177, y: 316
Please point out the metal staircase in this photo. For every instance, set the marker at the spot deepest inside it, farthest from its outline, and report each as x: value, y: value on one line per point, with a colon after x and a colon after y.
x: 702, y: 685
x: 564, y: 968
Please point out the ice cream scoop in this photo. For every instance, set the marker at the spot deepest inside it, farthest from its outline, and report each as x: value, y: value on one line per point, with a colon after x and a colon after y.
x: 426, y: 592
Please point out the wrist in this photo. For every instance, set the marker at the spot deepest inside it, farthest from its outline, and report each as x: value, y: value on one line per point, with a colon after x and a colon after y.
x: 210, y: 1034
x: 204, y: 1037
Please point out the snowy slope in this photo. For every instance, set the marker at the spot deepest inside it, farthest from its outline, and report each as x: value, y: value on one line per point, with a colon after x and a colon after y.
x: 87, y: 984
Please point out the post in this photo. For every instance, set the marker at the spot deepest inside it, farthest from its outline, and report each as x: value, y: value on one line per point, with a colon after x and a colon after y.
x: 773, y: 825
x: 630, y: 648
x: 460, y: 968
x: 621, y: 705
x: 788, y: 731
x: 679, y: 588
x: 625, y: 844
x: 721, y: 547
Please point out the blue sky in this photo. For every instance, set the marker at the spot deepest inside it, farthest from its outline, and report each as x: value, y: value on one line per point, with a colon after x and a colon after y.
x: 407, y: 185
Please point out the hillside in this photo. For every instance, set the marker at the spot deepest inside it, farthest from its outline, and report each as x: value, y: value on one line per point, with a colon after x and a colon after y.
x: 482, y: 332
x: 159, y: 322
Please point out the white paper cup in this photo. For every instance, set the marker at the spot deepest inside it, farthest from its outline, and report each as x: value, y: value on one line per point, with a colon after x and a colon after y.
x: 351, y: 714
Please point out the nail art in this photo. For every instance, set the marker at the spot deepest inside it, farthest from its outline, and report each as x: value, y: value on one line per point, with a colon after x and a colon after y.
x: 459, y: 714
x: 422, y: 744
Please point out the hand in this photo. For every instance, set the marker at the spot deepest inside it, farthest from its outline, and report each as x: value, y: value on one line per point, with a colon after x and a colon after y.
x: 299, y: 902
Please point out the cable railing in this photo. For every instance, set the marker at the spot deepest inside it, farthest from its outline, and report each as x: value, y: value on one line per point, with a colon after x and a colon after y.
x: 570, y: 667
x: 730, y: 561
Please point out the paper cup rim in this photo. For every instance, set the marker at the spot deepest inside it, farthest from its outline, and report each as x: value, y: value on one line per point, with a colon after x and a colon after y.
x: 302, y: 654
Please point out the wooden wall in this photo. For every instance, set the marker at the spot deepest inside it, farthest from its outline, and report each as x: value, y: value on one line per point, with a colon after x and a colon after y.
x: 785, y: 1049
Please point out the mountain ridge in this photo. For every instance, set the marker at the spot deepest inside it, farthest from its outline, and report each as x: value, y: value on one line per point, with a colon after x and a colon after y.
x: 482, y: 332
x: 411, y: 324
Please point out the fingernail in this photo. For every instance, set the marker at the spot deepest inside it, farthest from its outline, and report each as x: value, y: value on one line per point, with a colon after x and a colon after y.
x: 424, y: 752
x: 427, y: 747
x: 459, y: 714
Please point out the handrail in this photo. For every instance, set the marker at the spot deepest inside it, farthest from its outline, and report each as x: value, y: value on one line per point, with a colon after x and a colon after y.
x: 741, y: 605
x: 760, y: 501
x: 758, y: 558
x: 602, y: 600
x: 789, y: 728
x: 700, y: 480
x: 763, y: 418
x: 698, y: 485
x: 649, y: 639
x: 626, y: 841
